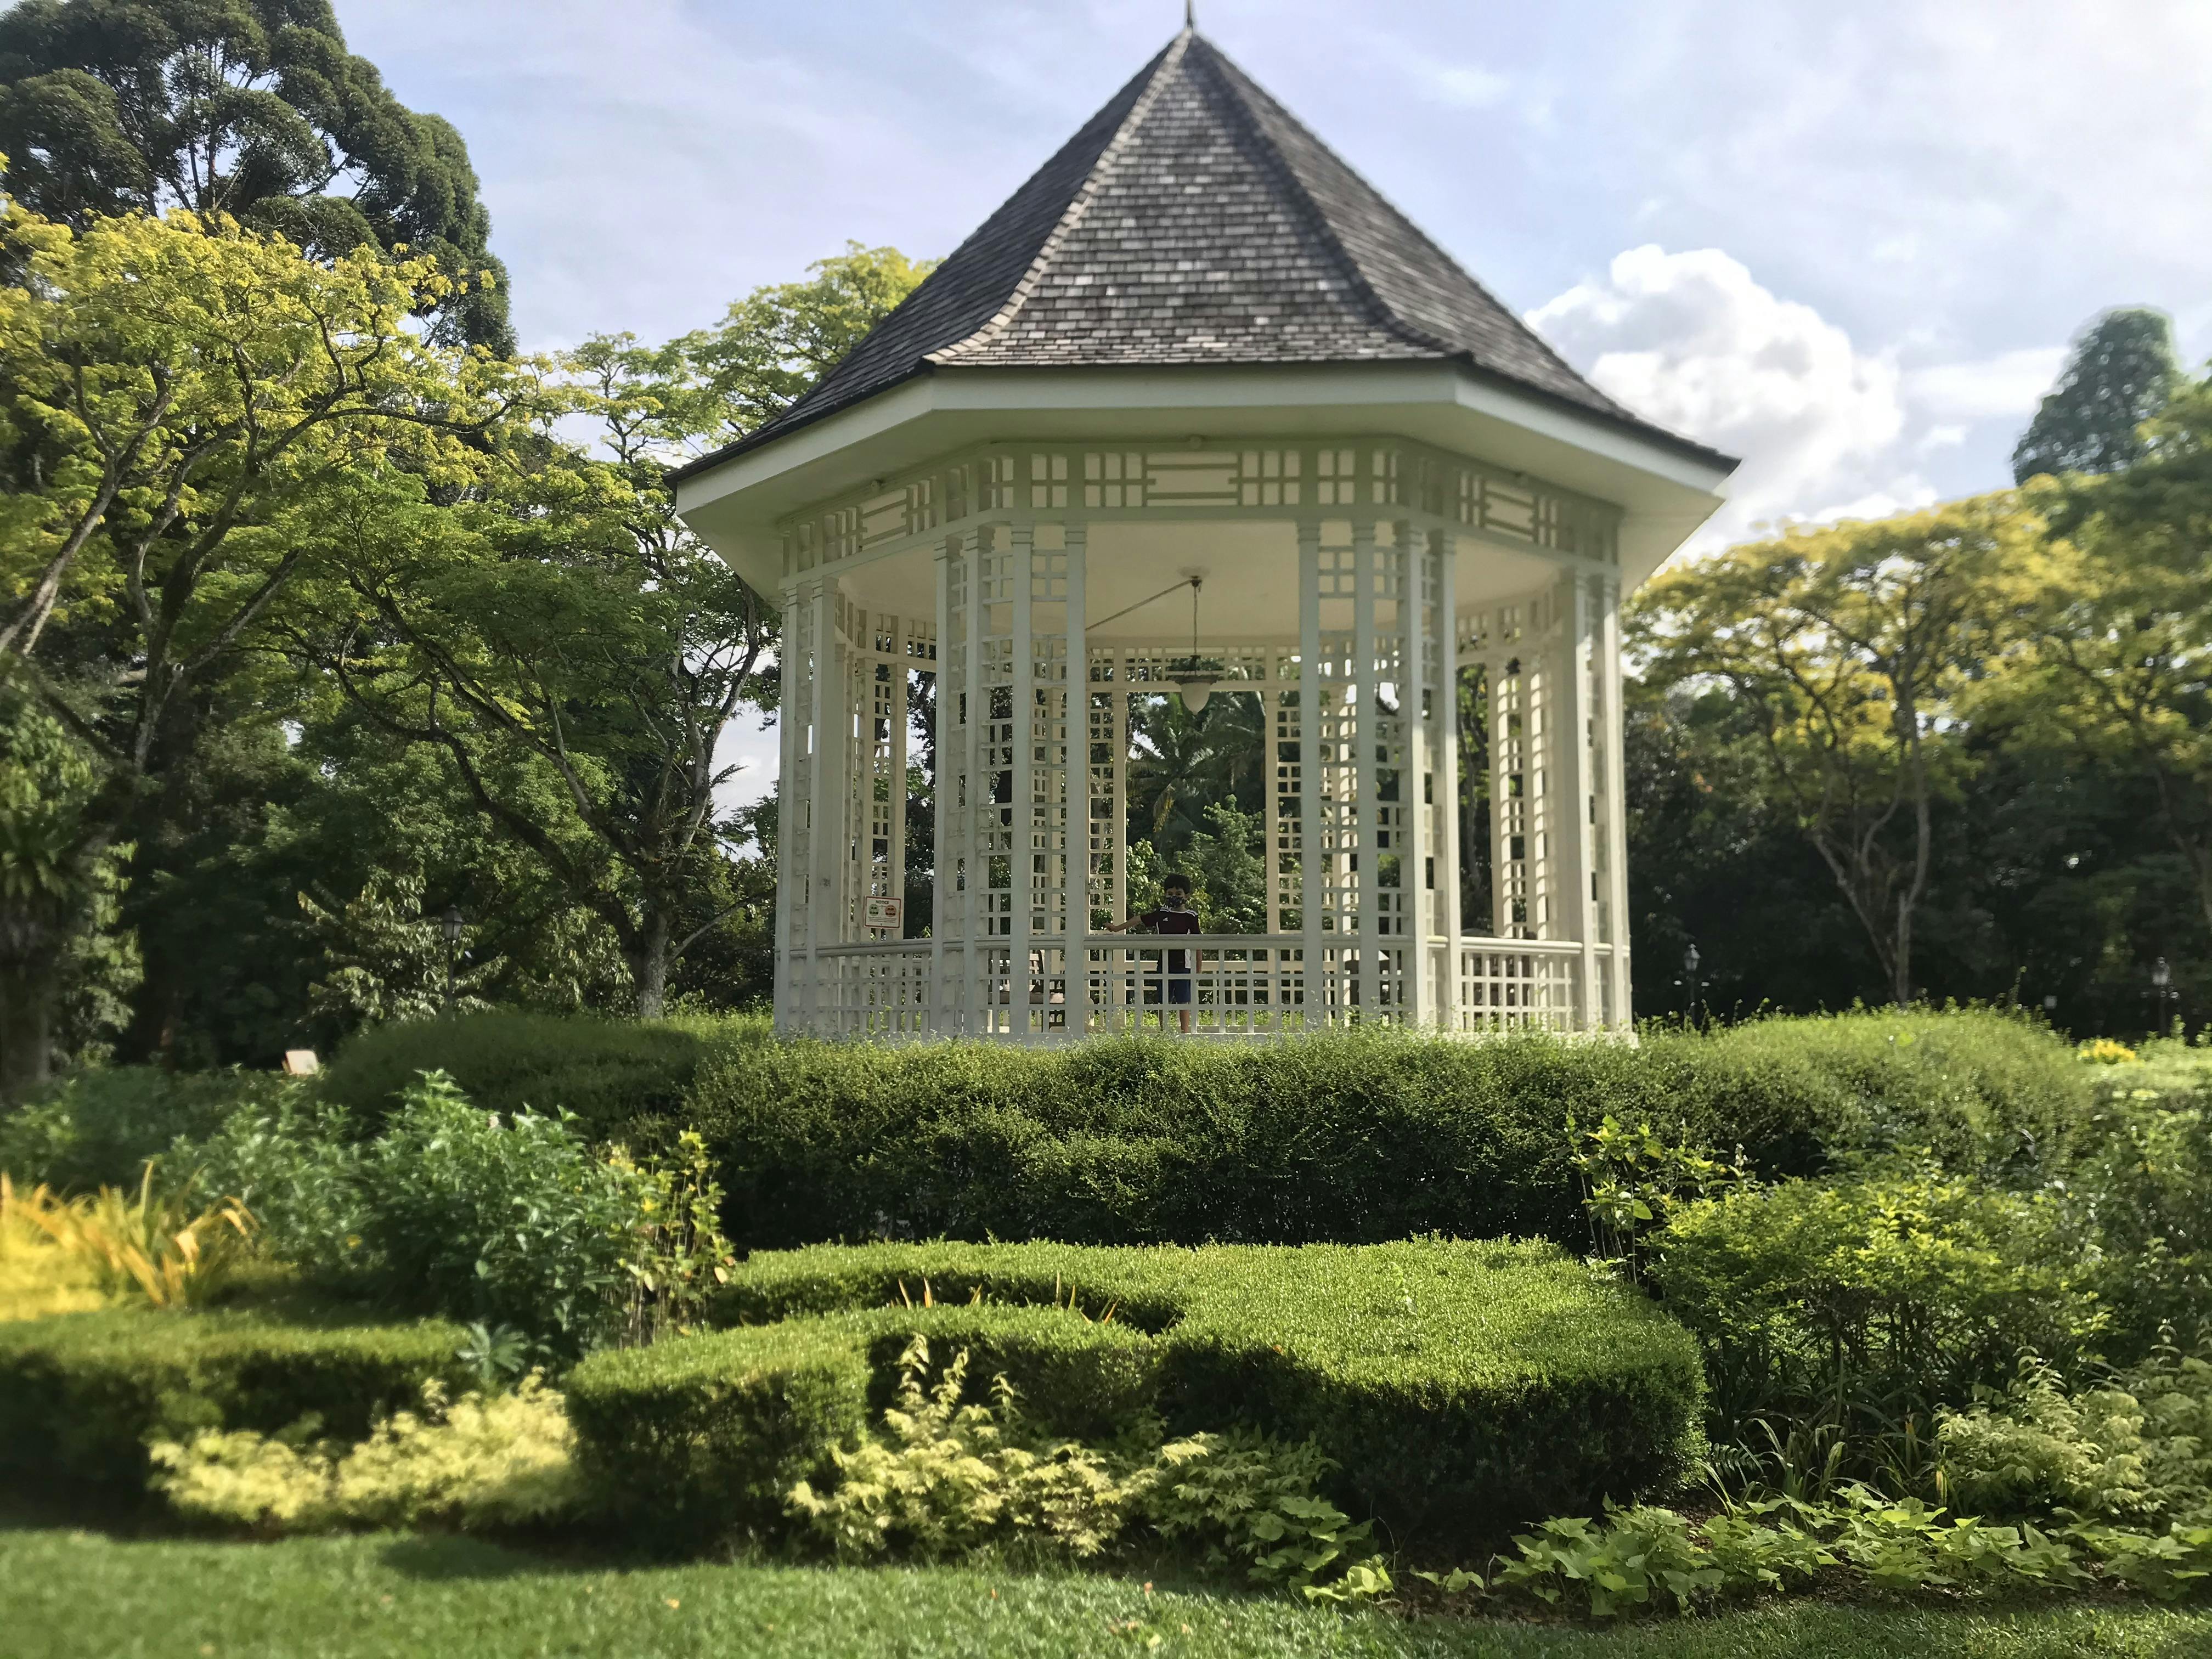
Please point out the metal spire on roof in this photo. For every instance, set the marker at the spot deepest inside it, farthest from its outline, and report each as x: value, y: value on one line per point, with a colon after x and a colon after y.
x: 1190, y: 14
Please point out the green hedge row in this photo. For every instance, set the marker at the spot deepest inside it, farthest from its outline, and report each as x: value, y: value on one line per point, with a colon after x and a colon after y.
x: 1347, y: 1139
x: 617, y: 1076
x: 1351, y: 1139
x: 82, y: 1394
x: 1462, y: 1388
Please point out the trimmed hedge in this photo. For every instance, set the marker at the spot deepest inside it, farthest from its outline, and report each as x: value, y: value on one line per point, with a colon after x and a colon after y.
x: 617, y: 1076
x: 1463, y: 1389
x: 82, y: 1394
x: 695, y: 1438
x: 1351, y: 1139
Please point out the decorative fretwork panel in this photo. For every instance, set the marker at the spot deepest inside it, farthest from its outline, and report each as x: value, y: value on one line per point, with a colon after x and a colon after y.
x: 1232, y: 479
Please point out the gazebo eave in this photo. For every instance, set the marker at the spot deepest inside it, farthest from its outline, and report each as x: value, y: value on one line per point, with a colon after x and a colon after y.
x: 1665, y: 490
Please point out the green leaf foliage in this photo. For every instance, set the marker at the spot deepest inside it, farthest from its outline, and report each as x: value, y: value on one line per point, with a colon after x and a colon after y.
x: 1353, y: 1139
x: 249, y: 108
x: 2121, y: 373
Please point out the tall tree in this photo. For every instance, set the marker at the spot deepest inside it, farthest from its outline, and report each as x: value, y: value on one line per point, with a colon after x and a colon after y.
x: 170, y: 388
x: 571, y: 649
x: 1847, y: 647
x: 2122, y: 371
x: 253, y: 108
x: 777, y: 341
x: 2124, y: 624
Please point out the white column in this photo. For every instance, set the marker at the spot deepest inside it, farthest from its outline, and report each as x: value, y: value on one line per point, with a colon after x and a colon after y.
x: 1366, y: 728
x: 1311, y: 881
x: 1615, y: 784
x: 1575, y: 833
x: 1447, y: 772
x: 978, y: 801
x: 1415, y: 910
x: 790, y: 901
x: 1027, y: 847
x: 943, y: 787
x: 832, y: 717
x: 1075, y: 878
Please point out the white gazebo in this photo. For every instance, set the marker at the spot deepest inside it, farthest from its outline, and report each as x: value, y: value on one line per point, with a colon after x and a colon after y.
x: 1196, y: 344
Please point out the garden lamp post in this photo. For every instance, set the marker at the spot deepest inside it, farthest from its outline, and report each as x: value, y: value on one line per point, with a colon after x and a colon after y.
x: 449, y: 924
x: 2161, y: 977
x: 1690, y: 962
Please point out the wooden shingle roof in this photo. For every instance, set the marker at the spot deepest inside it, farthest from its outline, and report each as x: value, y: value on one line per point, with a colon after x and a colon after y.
x: 1195, y: 220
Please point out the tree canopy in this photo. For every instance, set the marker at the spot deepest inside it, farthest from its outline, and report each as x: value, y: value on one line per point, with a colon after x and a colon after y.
x: 252, y: 109
x: 2122, y: 371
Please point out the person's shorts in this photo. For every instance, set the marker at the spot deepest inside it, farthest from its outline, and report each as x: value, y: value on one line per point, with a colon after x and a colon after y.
x: 1179, y: 987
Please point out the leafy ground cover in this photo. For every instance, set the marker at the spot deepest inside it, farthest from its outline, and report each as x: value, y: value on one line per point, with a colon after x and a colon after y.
x: 70, y: 1594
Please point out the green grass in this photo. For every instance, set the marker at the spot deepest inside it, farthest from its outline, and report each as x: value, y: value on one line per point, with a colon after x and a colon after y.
x: 73, y: 1594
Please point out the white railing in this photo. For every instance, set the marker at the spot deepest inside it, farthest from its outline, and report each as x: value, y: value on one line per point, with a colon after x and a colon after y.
x: 1208, y: 984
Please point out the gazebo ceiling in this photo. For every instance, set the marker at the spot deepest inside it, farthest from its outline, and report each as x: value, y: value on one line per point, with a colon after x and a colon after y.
x: 1193, y: 253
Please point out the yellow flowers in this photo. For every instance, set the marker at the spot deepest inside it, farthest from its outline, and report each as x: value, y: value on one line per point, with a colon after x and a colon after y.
x: 108, y: 1245
x: 2104, y: 1051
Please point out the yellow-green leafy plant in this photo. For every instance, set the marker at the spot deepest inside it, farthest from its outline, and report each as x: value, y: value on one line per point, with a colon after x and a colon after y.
x: 482, y: 1461
x: 37, y: 1276
x: 152, y: 1243
x: 678, y: 1255
x: 946, y: 1479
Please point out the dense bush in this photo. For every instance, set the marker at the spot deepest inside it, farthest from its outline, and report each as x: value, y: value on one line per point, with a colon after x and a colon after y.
x: 1462, y: 1388
x: 512, y: 1221
x: 84, y: 1394
x: 617, y: 1077
x: 2140, y: 1190
x: 1854, y: 1305
x: 1349, y: 1139
x: 98, y: 1128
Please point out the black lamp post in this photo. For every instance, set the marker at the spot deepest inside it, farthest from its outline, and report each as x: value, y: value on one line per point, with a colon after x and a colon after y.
x: 451, y: 924
x: 1690, y: 960
x: 2161, y: 978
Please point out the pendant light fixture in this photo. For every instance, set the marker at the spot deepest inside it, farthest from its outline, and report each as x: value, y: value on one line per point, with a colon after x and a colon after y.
x: 1195, y: 677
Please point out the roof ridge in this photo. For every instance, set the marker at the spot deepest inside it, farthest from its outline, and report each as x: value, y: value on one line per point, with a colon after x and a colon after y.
x: 1238, y: 83
x: 1078, y: 205
x: 1379, y: 310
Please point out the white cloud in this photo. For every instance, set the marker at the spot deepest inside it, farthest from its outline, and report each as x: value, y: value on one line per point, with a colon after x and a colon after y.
x: 1693, y: 341
x: 1827, y: 428
x: 2011, y: 383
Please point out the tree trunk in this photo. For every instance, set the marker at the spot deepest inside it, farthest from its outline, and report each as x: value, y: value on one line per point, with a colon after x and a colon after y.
x: 26, y: 1034
x: 648, y: 959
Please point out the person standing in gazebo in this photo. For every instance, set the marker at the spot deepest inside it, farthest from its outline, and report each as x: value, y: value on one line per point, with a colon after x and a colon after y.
x: 1174, y: 915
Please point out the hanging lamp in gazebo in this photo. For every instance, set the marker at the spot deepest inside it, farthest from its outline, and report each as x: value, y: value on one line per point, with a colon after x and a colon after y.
x: 1196, y: 349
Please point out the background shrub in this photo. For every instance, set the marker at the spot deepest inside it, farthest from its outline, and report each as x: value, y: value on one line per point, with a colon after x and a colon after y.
x: 82, y: 1394
x: 1352, y: 1139
x: 1855, y: 1305
x: 97, y: 1127
x: 620, y: 1079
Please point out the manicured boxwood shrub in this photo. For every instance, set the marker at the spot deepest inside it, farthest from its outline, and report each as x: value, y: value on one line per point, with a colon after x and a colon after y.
x: 1463, y: 1389
x: 690, y: 1439
x: 1349, y: 1139
x: 81, y: 1394
x: 617, y: 1076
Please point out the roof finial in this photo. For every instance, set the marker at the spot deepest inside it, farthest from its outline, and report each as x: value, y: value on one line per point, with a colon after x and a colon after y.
x: 1190, y: 14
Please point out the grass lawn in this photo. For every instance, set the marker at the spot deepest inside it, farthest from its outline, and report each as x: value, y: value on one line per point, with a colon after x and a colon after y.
x: 69, y: 1593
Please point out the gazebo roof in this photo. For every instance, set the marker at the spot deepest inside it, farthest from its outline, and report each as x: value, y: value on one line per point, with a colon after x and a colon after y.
x: 1193, y: 221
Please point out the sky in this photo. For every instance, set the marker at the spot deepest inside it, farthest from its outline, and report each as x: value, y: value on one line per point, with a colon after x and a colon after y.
x: 1849, y: 243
